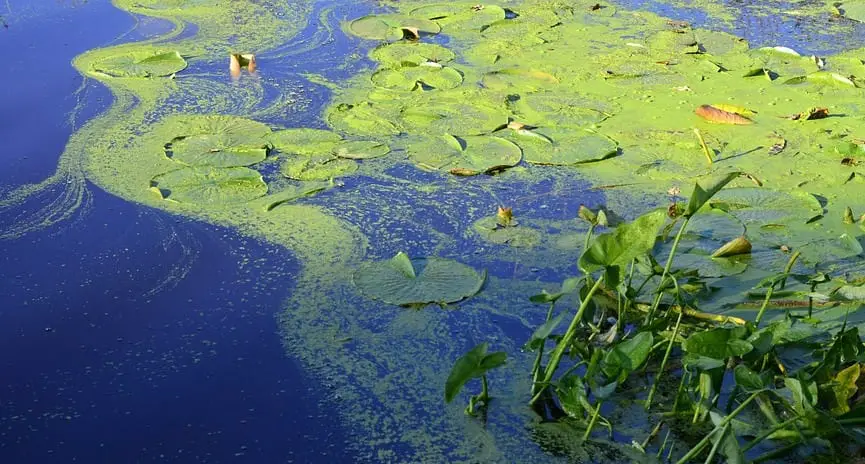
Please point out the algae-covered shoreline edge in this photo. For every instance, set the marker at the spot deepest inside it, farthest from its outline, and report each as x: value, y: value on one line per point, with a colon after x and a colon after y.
x: 621, y: 109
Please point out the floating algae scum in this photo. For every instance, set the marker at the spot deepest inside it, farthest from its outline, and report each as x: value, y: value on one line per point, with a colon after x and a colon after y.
x: 461, y: 110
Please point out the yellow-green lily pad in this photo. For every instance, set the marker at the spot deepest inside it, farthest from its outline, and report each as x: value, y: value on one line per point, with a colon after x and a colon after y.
x: 406, y: 282
x: 303, y: 141
x: 311, y: 168
x: 141, y: 63
x: 391, y: 27
x: 361, y: 149
x: 216, y: 150
x: 425, y: 76
x: 411, y: 53
x: 465, y: 156
x: 209, y: 185
x: 461, y: 15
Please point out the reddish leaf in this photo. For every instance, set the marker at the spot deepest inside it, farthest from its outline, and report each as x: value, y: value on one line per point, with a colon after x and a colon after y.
x: 712, y: 114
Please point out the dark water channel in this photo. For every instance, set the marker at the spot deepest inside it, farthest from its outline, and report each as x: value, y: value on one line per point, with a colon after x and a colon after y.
x: 130, y: 335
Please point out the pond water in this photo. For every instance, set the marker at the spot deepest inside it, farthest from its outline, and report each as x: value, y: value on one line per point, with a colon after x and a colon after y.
x: 138, y: 329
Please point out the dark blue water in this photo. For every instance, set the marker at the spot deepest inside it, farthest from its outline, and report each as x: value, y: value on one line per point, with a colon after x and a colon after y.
x: 129, y: 335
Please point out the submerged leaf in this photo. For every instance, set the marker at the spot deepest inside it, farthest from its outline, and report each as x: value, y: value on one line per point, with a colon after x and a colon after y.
x: 309, y: 168
x: 405, y: 282
x: 465, y: 156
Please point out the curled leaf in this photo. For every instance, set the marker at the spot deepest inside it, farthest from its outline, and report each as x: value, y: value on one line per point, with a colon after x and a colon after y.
x: 737, y: 246
x: 717, y: 115
x: 811, y: 114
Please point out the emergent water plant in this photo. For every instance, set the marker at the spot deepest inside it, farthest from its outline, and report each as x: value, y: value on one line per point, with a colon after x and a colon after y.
x: 720, y: 387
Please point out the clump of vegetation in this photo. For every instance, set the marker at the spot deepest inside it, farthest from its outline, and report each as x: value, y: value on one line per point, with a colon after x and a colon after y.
x: 719, y: 387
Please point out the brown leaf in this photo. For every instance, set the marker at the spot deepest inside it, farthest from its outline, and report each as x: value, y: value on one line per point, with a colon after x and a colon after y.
x: 411, y: 33
x: 238, y: 61
x: 778, y: 147
x: 505, y: 216
x: 712, y: 114
x: 596, y: 6
x: 811, y: 114
x: 849, y: 161
x: 516, y: 125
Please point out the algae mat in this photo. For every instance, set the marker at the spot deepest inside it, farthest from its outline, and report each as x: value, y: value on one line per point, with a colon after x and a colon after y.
x: 459, y: 108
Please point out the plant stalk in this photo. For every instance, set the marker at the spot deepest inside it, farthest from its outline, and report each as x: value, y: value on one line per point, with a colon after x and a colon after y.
x: 563, y: 344
x: 726, y: 420
x: 663, y: 364
x: 594, y: 419
x: 666, y: 272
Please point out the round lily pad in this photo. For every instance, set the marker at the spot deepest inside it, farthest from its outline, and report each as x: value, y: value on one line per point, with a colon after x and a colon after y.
x: 461, y: 15
x: 363, y: 118
x: 241, y: 130
x: 361, y: 149
x: 406, y: 282
x: 425, y: 76
x: 519, y: 80
x: 465, y: 156
x: 209, y: 185
x: 764, y: 207
x: 141, y: 63
x: 516, y: 236
x: 304, y: 141
x: 317, y: 167
x: 391, y: 27
x: 465, y: 115
x: 216, y: 150
x: 563, y: 148
x: 411, y: 53
x: 555, y: 109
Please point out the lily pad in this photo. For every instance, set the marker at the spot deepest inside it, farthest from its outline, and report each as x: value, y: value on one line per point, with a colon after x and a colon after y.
x: 564, y: 148
x: 317, y: 167
x: 425, y: 76
x: 216, y: 150
x: 823, y: 78
x: 763, y: 207
x: 521, y: 80
x: 363, y: 118
x: 403, y: 281
x: 465, y: 115
x: 304, y: 141
x: 461, y: 16
x: 241, y: 130
x: 854, y: 9
x: 210, y: 185
x: 516, y: 236
x: 391, y: 27
x: 361, y: 149
x: 141, y: 63
x: 465, y: 156
x: 554, y: 109
x: 411, y: 53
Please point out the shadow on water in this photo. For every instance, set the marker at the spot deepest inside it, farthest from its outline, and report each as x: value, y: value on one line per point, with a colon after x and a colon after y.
x: 130, y: 335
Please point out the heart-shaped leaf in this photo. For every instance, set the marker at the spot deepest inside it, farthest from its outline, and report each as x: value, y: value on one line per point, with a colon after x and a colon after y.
x: 209, y: 185
x: 465, y: 156
x: 474, y: 364
x: 141, y: 63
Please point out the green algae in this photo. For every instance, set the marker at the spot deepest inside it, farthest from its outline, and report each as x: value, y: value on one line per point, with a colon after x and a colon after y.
x: 626, y: 82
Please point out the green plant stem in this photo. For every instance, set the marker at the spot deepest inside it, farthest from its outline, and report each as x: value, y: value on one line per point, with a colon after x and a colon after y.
x: 588, y: 237
x: 663, y: 363
x: 717, y: 445
x: 536, y: 368
x: 771, y: 290
x: 679, y: 392
x: 653, y: 434
x: 756, y: 441
x: 666, y: 272
x: 485, y: 391
x: 704, y: 146
x: 595, y: 414
x: 566, y: 340
x: 726, y: 420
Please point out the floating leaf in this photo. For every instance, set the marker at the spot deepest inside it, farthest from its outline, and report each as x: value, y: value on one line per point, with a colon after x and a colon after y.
x: 854, y: 9
x: 293, y: 192
x: 822, y: 78
x: 462, y: 114
x: 564, y: 147
x: 764, y: 206
x: 321, y: 167
x: 411, y: 53
x: 813, y: 113
x: 141, y: 63
x: 363, y: 118
x: 740, y: 110
x: 216, y: 150
x: 391, y: 27
x: 780, y: 50
x: 717, y: 115
x: 361, y: 149
x: 241, y: 130
x: 304, y: 141
x: 562, y: 109
x: 718, y: 343
x: 424, y: 76
x: 465, y: 156
x: 490, y: 229
x: 209, y: 185
x: 401, y: 281
x: 461, y: 16
x: 516, y: 79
